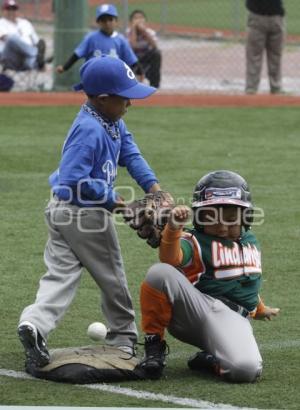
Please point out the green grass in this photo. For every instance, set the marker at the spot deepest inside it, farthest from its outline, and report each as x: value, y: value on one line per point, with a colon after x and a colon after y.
x: 215, y: 14
x: 181, y: 145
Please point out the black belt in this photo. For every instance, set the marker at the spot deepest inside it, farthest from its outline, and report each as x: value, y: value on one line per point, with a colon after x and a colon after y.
x: 234, y: 306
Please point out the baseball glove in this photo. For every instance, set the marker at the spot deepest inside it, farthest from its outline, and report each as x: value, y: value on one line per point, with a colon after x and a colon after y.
x: 149, y: 215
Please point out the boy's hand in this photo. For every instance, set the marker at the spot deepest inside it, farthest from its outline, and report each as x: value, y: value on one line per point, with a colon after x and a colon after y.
x: 59, y: 69
x: 179, y: 216
x: 119, y: 205
x: 267, y: 314
x: 140, y: 27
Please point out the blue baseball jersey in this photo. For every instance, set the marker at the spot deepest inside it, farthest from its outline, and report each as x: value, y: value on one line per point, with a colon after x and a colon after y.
x: 98, y: 43
x: 91, y: 154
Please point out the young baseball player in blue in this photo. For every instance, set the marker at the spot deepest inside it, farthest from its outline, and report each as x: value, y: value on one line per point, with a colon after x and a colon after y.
x: 207, y: 286
x: 105, y: 41
x: 79, y: 217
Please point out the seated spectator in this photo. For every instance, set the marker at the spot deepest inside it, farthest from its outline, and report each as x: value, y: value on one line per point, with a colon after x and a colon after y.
x: 20, y: 46
x: 106, y: 40
x: 143, y: 40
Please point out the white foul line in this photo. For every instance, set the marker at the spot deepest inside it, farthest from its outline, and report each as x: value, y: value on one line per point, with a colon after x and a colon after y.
x: 144, y: 395
x: 161, y: 397
x: 281, y: 345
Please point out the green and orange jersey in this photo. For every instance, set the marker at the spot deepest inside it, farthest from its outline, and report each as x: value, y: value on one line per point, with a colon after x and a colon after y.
x: 216, y: 266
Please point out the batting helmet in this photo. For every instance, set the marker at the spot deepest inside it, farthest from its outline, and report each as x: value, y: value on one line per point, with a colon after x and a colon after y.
x: 224, y: 188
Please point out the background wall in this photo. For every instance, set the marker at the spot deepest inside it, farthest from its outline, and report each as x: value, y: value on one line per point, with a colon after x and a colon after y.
x: 202, y: 41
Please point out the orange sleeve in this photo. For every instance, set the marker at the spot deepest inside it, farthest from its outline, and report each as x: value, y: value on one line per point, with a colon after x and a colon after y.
x: 156, y: 310
x: 169, y: 250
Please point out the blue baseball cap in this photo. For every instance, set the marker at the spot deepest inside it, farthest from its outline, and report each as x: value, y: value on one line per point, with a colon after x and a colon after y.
x: 103, y: 76
x: 106, y: 9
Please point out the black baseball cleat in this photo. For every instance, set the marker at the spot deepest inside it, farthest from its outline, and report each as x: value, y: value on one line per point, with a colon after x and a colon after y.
x: 205, y: 362
x: 35, y: 346
x: 153, y: 361
x: 40, y: 58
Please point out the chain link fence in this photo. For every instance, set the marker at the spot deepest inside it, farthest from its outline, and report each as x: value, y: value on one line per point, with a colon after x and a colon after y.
x: 202, y: 41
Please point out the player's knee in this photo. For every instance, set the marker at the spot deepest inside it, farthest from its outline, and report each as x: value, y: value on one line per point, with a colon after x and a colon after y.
x: 245, y: 371
x: 11, y: 39
x: 158, y: 274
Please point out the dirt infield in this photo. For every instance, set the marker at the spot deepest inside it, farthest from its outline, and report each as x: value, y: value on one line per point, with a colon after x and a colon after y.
x: 159, y: 99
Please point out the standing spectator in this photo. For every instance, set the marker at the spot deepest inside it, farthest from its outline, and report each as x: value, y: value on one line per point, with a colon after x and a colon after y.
x: 143, y: 40
x: 106, y: 41
x: 266, y: 29
x: 20, y: 46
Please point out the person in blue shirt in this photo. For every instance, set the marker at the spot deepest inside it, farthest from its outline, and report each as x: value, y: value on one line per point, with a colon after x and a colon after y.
x: 106, y: 41
x: 79, y: 216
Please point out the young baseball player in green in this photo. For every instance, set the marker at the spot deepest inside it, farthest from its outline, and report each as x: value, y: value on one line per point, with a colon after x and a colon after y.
x: 206, y: 287
x: 79, y: 216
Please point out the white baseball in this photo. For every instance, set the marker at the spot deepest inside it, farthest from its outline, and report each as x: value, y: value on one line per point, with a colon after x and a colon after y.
x: 97, y: 331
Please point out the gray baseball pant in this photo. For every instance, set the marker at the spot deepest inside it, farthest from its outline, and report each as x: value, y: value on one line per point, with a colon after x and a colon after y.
x: 205, y: 322
x: 264, y: 33
x: 82, y: 237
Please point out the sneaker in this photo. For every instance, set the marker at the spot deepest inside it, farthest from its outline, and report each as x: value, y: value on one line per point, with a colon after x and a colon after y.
x: 153, y: 361
x: 40, y: 58
x: 127, y: 349
x: 203, y: 361
x: 49, y: 60
x: 250, y: 91
x: 35, y: 346
x: 278, y: 91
